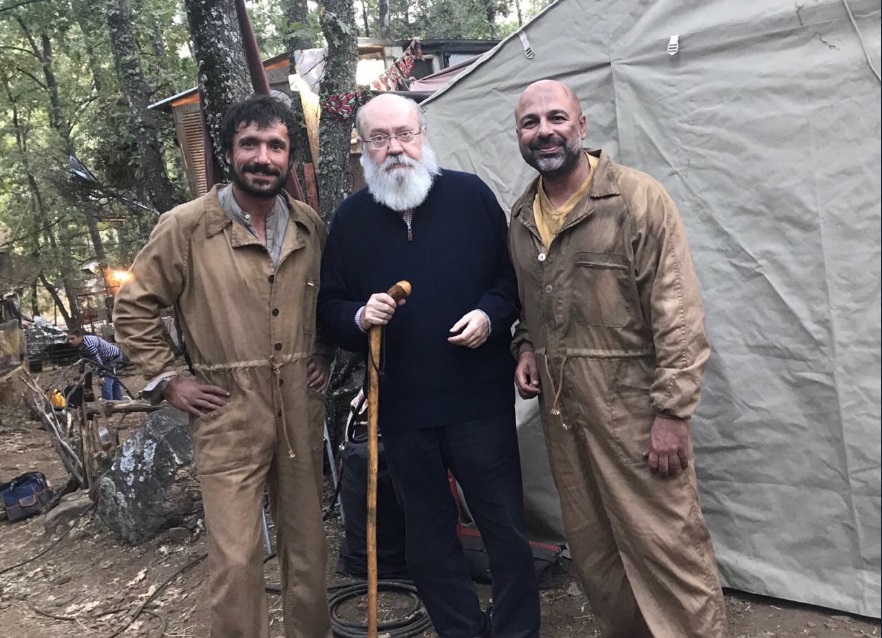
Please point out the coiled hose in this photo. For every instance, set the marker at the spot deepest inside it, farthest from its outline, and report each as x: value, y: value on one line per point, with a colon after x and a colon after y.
x: 415, y: 620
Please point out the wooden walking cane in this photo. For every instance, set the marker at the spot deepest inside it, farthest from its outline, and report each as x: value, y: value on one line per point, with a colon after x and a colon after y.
x: 399, y: 291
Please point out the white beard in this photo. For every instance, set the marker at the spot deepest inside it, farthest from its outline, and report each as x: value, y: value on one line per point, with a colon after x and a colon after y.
x: 401, y: 183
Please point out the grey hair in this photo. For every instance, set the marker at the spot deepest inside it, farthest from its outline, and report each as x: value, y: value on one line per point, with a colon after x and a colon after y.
x: 359, y: 115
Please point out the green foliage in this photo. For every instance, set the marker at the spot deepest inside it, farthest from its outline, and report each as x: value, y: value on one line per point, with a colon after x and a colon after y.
x: 446, y: 19
x: 42, y: 209
x: 310, y: 31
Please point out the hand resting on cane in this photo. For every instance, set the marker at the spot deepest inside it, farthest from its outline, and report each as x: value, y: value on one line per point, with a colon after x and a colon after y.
x: 378, y: 310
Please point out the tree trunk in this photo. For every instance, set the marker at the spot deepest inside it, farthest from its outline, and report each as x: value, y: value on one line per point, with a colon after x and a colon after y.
x: 297, y: 13
x: 88, y: 14
x: 35, y: 306
x: 220, y: 59
x: 490, y: 12
x: 517, y: 4
x: 153, y: 175
x: 61, y: 249
x: 384, y: 19
x: 43, y: 52
x: 364, y: 19
x: 69, y: 321
x: 72, y: 319
x: 334, y: 173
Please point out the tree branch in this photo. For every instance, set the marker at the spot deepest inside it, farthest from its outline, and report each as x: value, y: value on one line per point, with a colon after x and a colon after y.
x: 19, y: 49
x: 15, y: 5
x: 32, y: 76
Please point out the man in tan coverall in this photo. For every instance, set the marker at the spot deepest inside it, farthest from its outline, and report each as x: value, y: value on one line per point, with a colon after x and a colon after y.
x: 612, y: 341
x: 242, y: 263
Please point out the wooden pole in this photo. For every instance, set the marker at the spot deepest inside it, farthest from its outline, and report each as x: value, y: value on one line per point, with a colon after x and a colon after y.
x: 399, y: 291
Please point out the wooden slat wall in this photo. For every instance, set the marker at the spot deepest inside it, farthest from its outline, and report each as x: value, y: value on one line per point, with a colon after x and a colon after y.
x: 188, y: 123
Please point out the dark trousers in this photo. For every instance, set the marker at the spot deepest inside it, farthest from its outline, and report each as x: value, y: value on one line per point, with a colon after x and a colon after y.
x: 483, y: 456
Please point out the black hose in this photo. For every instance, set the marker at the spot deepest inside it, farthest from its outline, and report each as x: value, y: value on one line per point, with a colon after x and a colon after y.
x: 415, y: 621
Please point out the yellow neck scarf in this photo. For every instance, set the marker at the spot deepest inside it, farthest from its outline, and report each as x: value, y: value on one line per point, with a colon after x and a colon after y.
x: 550, y: 219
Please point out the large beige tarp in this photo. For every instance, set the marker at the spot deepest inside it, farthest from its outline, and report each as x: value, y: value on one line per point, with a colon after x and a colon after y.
x: 765, y: 128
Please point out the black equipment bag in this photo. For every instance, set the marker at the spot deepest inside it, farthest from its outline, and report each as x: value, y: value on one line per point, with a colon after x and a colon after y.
x: 548, y: 560
x: 391, y: 561
x: 25, y: 496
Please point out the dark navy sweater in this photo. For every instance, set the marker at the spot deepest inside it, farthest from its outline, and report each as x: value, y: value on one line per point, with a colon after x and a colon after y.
x: 457, y: 261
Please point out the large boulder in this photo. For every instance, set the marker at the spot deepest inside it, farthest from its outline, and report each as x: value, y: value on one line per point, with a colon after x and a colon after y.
x: 152, y: 485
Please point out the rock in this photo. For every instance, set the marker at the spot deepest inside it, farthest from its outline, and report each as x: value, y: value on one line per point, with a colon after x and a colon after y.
x: 574, y: 590
x: 78, y: 535
x: 69, y: 509
x: 178, y: 535
x: 61, y: 580
x: 152, y: 485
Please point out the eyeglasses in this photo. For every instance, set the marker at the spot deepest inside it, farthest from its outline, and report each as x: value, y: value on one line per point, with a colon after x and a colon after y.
x: 382, y: 141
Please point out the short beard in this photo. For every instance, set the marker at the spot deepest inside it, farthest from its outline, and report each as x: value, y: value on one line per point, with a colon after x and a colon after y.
x: 401, y: 189
x: 270, y: 192
x: 560, y: 164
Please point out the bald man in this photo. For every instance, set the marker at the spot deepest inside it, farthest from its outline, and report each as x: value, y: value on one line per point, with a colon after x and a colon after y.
x: 446, y: 396
x: 612, y: 341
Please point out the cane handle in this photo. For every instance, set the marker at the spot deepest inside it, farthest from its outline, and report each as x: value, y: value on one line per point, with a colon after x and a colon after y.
x: 400, y: 291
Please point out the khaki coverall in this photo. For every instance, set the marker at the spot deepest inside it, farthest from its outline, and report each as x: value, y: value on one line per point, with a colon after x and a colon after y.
x: 249, y: 328
x: 613, y: 313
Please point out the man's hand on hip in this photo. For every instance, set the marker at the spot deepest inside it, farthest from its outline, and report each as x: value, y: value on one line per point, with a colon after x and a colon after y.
x: 194, y: 397
x: 527, y: 376
x: 473, y: 329
x: 668, y: 451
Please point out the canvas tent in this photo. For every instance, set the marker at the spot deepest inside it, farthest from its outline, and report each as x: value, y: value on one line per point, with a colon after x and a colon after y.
x: 765, y: 127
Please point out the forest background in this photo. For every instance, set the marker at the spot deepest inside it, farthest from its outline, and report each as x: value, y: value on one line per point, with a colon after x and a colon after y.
x: 87, y: 168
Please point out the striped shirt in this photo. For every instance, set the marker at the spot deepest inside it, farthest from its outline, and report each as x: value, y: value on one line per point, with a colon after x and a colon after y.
x: 98, y: 350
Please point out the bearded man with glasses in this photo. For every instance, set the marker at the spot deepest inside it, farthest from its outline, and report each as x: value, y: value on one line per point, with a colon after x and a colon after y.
x: 447, y: 398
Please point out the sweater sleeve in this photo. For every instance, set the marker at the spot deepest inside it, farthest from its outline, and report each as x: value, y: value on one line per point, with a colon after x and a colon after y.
x: 500, y: 301
x: 337, y: 304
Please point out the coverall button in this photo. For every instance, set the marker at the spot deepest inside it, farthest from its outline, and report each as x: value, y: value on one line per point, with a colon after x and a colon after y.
x: 275, y: 312
x: 279, y: 413
x: 541, y: 256
x: 549, y: 289
x: 272, y: 278
x: 278, y: 346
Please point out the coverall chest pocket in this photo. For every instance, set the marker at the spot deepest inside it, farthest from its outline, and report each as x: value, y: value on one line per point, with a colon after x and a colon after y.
x: 600, y: 290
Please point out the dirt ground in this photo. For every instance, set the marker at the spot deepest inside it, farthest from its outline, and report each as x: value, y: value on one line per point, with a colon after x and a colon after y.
x: 86, y: 583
